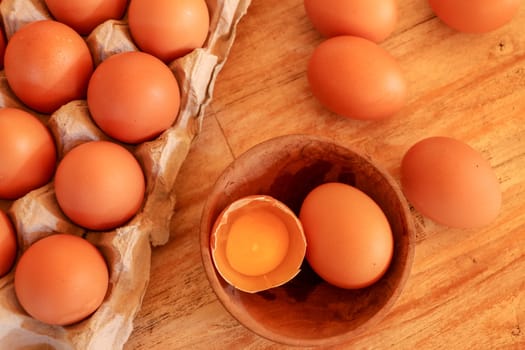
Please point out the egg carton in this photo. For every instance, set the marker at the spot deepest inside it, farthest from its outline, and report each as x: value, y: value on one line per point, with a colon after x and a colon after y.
x: 126, y: 249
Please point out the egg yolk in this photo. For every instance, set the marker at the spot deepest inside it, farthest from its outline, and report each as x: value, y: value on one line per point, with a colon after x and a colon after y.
x: 257, y: 243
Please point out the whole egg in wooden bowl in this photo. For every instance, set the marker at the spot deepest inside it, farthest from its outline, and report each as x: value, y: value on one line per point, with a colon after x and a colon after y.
x: 306, y: 309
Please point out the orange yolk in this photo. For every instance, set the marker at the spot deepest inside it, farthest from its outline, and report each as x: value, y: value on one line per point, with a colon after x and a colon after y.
x: 257, y: 243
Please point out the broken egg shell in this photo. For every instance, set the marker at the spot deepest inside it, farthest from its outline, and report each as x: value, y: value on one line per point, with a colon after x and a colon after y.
x: 287, y: 269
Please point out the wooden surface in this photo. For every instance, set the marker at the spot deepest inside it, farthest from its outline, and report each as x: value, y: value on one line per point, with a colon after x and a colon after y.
x: 467, y: 287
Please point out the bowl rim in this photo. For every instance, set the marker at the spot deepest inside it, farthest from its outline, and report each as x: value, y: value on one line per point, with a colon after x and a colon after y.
x: 253, y: 325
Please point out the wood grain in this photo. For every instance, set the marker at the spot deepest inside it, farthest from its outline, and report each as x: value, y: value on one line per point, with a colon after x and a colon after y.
x: 467, y: 287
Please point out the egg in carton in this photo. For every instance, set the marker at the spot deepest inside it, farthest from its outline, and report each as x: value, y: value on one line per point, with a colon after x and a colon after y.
x: 127, y: 249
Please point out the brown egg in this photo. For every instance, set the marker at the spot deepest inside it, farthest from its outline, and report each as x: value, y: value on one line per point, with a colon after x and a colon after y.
x: 133, y: 97
x: 27, y: 153
x: 84, y: 15
x: 450, y: 182
x: 168, y: 29
x: 350, y: 242
x: 99, y: 185
x: 356, y: 78
x: 370, y: 19
x: 257, y: 243
x: 47, y: 64
x: 8, y: 244
x: 61, y: 279
x: 480, y: 16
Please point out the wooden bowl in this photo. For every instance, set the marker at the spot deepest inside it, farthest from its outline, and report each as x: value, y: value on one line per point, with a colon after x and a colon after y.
x: 308, y: 311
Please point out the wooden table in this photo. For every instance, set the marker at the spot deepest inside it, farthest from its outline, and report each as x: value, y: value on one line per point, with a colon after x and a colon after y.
x: 467, y: 287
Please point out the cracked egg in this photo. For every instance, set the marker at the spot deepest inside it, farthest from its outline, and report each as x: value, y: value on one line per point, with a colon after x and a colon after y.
x: 257, y: 243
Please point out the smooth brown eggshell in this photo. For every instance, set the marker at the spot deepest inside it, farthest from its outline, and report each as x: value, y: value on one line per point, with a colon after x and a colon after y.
x: 99, y: 185
x: 168, y: 29
x: 55, y: 70
x: 293, y: 259
x: 27, y: 153
x: 480, y: 16
x: 61, y: 279
x: 370, y: 19
x: 133, y: 97
x: 356, y: 78
x: 8, y: 245
x: 84, y: 15
x: 350, y: 242
x: 451, y: 183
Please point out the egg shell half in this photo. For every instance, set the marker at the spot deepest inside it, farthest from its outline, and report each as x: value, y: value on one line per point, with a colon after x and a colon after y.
x: 288, y: 268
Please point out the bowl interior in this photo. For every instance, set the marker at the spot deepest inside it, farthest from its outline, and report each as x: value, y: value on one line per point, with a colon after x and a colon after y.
x: 307, y: 310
